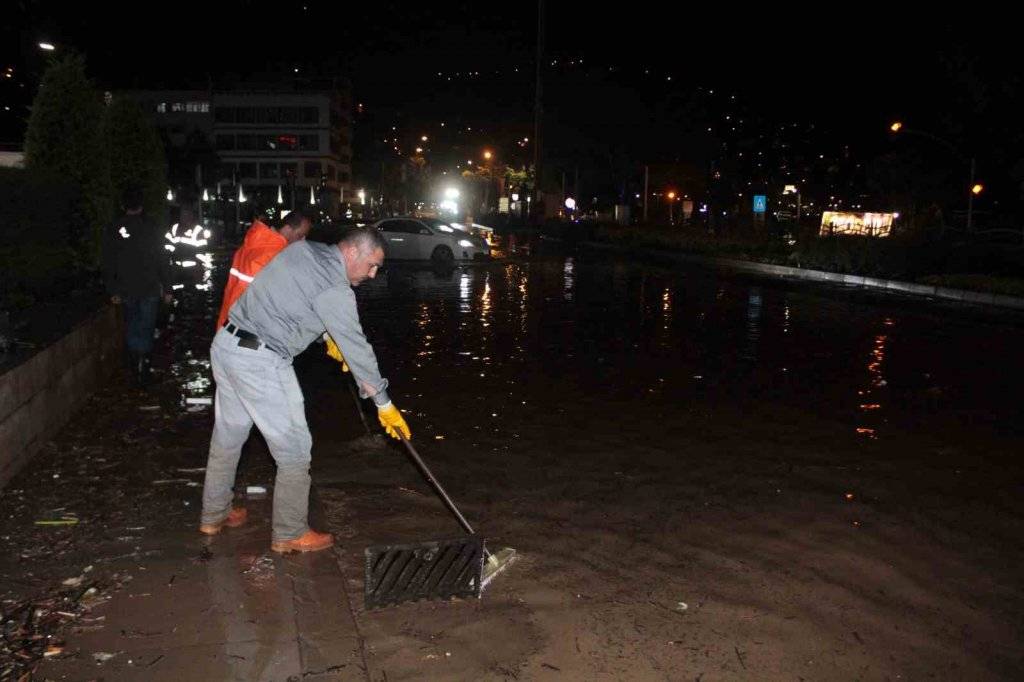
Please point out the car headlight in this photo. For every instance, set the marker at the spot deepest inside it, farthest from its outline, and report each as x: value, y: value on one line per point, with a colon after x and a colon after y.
x: 465, y: 243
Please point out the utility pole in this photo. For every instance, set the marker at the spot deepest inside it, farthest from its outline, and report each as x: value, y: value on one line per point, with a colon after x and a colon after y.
x: 538, y: 109
x: 647, y: 191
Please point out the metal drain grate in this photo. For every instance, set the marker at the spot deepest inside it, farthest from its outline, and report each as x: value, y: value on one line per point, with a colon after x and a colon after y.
x: 425, y: 570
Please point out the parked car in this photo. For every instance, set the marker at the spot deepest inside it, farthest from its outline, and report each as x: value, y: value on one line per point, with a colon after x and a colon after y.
x: 410, y: 238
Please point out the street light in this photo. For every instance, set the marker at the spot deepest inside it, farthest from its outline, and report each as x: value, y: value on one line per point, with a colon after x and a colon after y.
x: 49, y: 47
x: 671, y: 208
x: 450, y: 204
x: 975, y: 188
x: 487, y: 155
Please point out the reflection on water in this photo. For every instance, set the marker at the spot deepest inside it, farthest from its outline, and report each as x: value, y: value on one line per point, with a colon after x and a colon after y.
x: 753, y: 328
x: 604, y: 328
x: 870, y: 397
x: 567, y: 278
x: 485, y: 302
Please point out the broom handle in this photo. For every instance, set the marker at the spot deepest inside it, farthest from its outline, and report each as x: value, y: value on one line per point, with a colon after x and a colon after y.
x: 359, y: 405
x: 421, y: 465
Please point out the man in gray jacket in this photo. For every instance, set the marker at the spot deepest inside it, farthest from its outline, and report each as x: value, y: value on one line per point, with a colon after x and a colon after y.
x: 305, y: 291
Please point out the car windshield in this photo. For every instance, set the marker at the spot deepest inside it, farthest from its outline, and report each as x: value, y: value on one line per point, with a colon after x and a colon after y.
x: 436, y: 224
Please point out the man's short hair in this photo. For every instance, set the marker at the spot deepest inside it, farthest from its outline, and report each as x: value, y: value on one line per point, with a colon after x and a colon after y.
x: 294, y: 219
x: 367, y: 238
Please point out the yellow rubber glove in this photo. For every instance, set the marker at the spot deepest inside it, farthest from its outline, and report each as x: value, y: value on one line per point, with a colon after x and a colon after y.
x: 334, y: 352
x: 391, y: 419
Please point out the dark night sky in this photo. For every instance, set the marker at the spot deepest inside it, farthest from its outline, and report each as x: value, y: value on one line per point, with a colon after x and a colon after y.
x: 849, y: 74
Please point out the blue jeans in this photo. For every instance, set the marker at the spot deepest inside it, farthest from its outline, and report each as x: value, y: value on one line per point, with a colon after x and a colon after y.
x: 139, y: 323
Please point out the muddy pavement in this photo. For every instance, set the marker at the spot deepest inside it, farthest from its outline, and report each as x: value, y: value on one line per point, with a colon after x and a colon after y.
x: 707, y: 478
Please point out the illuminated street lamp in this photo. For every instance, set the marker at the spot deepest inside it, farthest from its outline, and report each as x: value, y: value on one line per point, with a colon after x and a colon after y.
x: 974, y: 188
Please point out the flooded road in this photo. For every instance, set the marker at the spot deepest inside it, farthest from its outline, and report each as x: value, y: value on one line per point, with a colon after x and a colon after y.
x: 706, y: 476
x: 563, y: 328
x: 709, y: 476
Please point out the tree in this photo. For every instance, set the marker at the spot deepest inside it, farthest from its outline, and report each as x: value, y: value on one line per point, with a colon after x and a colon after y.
x: 192, y: 165
x: 477, y: 181
x: 520, y: 179
x: 919, y: 184
x: 64, y: 139
x: 136, y: 153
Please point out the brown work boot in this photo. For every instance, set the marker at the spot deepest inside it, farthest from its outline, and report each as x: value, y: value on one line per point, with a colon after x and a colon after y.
x: 235, y: 518
x: 310, y: 541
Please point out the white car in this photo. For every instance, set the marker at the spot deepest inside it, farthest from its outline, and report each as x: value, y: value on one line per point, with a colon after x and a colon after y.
x: 430, y: 238
x: 487, y: 233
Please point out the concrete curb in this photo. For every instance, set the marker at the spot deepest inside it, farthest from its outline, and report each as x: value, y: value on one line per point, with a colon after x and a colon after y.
x: 898, y: 286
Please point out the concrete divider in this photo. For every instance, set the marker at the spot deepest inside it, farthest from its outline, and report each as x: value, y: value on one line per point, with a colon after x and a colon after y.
x: 38, y: 396
x: 946, y: 293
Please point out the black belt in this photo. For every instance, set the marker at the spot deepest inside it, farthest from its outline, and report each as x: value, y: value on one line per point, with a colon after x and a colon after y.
x: 247, y: 339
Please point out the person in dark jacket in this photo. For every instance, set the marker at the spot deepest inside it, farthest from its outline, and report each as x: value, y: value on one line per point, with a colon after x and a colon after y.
x: 137, y: 274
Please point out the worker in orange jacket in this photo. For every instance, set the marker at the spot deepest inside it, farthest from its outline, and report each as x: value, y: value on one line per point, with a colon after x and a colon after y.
x: 261, y: 244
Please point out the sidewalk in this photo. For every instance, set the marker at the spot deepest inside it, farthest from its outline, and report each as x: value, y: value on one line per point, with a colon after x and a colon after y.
x: 100, y: 537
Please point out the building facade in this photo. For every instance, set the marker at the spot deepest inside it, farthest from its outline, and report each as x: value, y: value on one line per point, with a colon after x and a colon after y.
x: 284, y: 146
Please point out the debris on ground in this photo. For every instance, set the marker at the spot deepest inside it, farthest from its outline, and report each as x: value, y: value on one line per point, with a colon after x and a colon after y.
x: 57, y: 522
x: 31, y: 628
